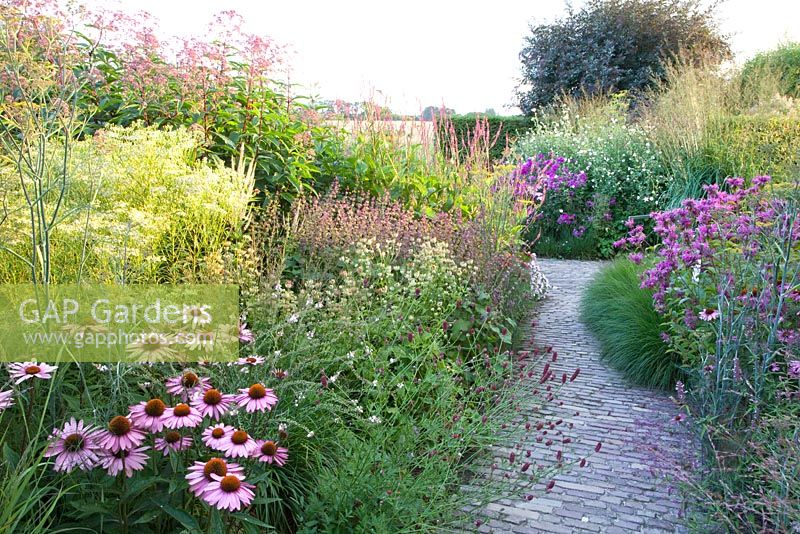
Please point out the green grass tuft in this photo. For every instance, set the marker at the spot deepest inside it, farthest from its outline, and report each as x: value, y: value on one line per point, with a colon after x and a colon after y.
x: 621, y: 315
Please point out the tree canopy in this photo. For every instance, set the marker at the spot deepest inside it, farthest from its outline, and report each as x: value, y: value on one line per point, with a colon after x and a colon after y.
x: 614, y: 45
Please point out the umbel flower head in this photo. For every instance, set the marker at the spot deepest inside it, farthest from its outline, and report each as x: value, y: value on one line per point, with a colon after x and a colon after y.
x: 199, y: 475
x: 256, y: 398
x: 75, y: 445
x: 23, y: 371
x: 121, y: 435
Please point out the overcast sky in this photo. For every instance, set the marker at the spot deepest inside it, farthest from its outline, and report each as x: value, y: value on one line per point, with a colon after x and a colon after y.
x: 414, y: 53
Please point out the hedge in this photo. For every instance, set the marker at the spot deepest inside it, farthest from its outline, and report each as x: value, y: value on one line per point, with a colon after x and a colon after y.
x: 505, y: 129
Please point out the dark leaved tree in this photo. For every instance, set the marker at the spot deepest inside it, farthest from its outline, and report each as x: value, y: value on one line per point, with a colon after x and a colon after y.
x: 614, y: 45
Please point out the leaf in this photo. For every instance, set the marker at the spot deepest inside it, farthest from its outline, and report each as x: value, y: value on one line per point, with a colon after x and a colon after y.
x: 182, y: 517
x: 11, y: 457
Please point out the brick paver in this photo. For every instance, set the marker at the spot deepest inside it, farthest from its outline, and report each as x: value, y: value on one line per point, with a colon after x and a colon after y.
x: 621, y: 489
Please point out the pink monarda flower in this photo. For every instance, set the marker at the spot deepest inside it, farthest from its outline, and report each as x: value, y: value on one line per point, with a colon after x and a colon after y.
x: 250, y: 360
x: 199, y: 475
x: 238, y: 444
x: 149, y: 415
x: 269, y: 452
x: 74, y: 446
x: 213, y: 403
x: 216, y: 436
x: 129, y: 460
x: 187, y: 386
x: 6, y: 399
x: 182, y: 416
x: 21, y: 372
x: 709, y: 314
x: 121, y: 435
x: 228, y: 492
x: 256, y: 398
x: 173, y: 441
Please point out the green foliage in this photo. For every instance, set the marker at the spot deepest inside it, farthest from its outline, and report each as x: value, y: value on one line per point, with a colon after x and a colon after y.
x: 140, y: 208
x: 621, y: 315
x: 614, y: 45
x: 624, y: 176
x: 755, y: 145
x: 503, y: 132
x: 783, y: 63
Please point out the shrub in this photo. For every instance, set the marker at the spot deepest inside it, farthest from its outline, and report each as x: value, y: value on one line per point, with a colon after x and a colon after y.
x: 621, y: 316
x: 783, y: 63
x: 613, y: 45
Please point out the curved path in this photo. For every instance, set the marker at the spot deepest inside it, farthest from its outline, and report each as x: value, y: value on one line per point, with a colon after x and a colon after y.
x: 622, y: 488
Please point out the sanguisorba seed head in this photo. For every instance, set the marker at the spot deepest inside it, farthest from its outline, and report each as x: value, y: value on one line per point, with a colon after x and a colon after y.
x: 269, y: 448
x: 257, y: 391
x: 212, y: 397
x: 119, y: 425
x: 216, y: 466
x: 229, y: 484
x: 239, y: 437
x: 181, y: 410
x: 189, y: 380
x: 155, y: 408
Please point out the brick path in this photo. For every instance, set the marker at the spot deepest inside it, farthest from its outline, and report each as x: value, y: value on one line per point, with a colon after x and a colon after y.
x: 620, y: 490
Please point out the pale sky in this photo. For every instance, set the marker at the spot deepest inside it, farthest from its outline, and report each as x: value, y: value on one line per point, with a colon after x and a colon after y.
x: 415, y: 53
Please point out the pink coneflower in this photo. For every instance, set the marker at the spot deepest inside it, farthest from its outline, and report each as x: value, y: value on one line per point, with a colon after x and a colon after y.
x: 228, y: 492
x: 246, y: 335
x: 250, y: 360
x: 216, y: 436
x: 269, y: 452
x: 6, y: 399
x: 74, y: 446
x: 199, y: 475
x: 182, y: 416
x: 213, y: 403
x: 173, y: 441
x: 149, y: 415
x: 121, y: 435
x: 238, y: 444
x: 25, y: 370
x: 709, y: 314
x: 280, y: 374
x: 129, y: 460
x: 187, y: 386
x: 256, y: 398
